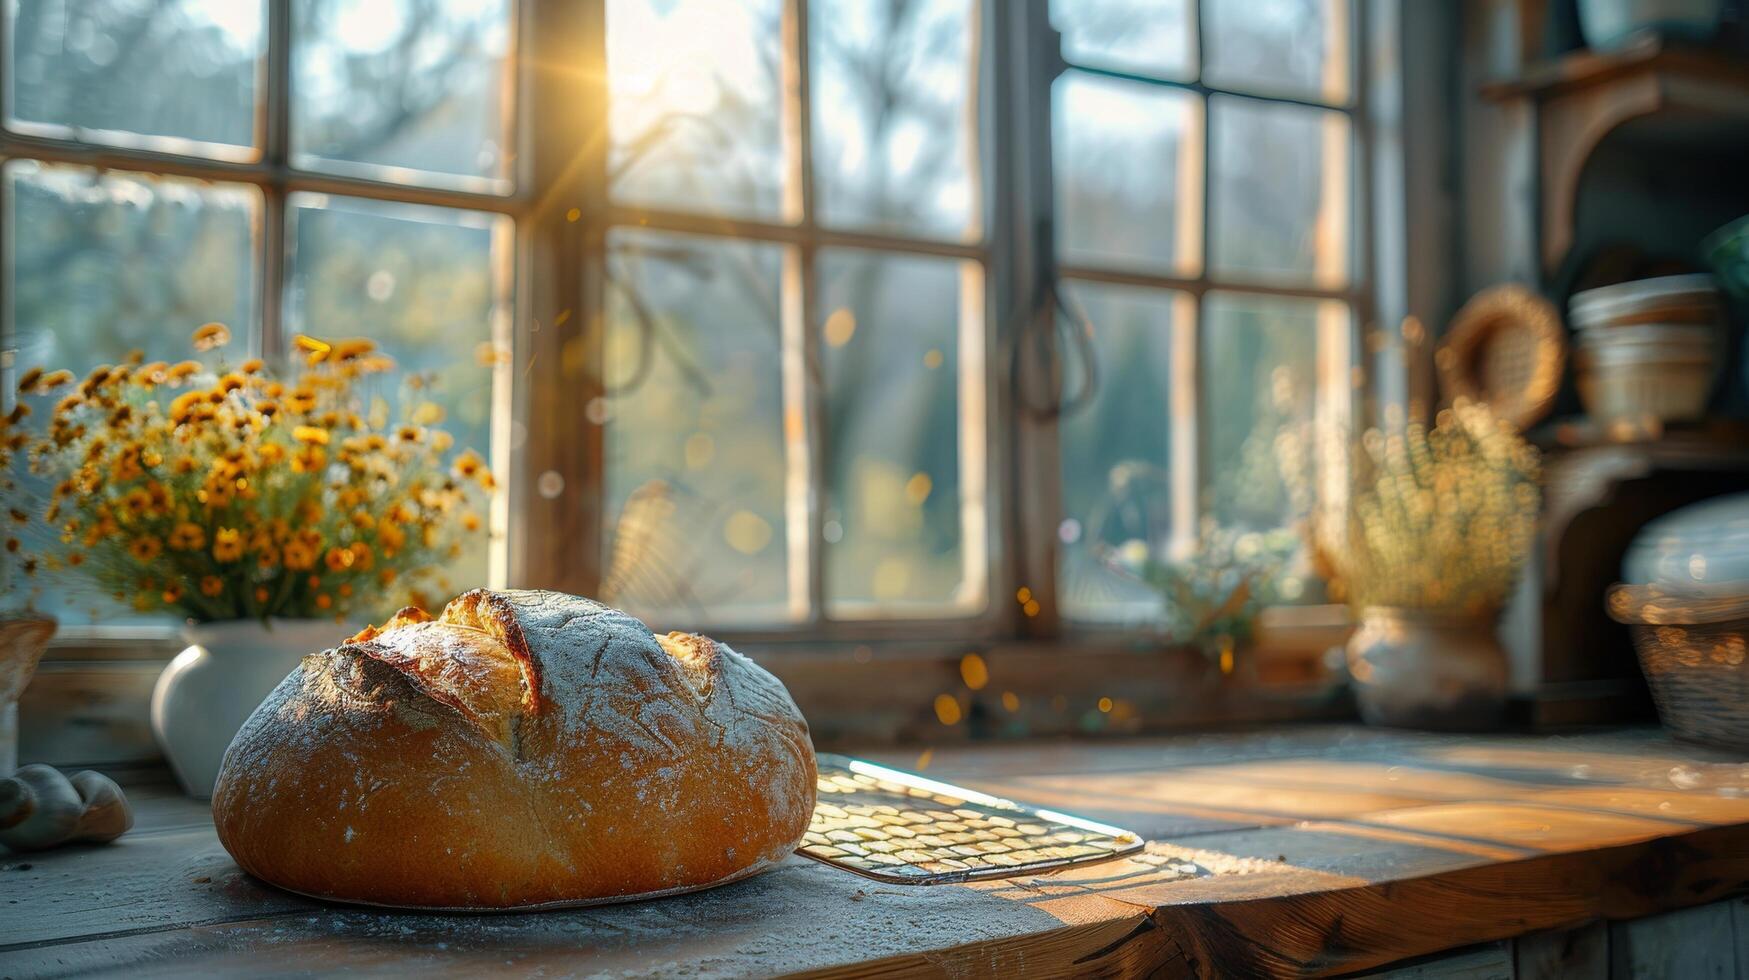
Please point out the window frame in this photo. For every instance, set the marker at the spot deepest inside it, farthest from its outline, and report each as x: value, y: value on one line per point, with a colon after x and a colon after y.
x: 802, y: 235
x: 1020, y: 60
x: 561, y: 215
x: 1187, y: 386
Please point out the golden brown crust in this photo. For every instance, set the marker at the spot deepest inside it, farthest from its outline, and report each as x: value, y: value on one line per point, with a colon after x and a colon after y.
x: 464, y: 668
x: 523, y: 749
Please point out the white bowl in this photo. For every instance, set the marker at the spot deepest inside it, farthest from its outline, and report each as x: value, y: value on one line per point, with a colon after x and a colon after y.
x: 1668, y: 299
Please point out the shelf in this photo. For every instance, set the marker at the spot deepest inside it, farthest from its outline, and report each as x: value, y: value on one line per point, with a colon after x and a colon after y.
x: 1579, y: 70
x: 1659, y: 94
x: 1582, y: 470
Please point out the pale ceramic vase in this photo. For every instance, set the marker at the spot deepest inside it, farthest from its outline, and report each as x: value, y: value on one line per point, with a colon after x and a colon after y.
x: 211, y: 688
x: 1413, y: 668
x: 22, y: 642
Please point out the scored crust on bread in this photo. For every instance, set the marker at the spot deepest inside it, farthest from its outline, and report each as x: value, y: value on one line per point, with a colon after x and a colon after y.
x: 521, y: 749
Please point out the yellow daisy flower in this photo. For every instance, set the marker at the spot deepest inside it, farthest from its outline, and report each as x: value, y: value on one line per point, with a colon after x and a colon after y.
x: 227, y: 544
x: 209, y: 336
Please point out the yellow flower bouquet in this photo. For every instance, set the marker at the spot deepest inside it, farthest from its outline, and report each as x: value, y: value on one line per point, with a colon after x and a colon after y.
x: 217, y: 491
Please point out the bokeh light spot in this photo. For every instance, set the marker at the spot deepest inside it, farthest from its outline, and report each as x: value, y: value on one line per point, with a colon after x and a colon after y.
x: 840, y: 327
x: 947, y: 709
x: 550, y: 484
x: 974, y: 671
x: 747, y: 532
x: 700, y: 450
x: 917, y: 488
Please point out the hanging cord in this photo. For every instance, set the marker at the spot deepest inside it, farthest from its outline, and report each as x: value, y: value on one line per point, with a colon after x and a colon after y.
x: 1053, y: 314
x: 650, y: 336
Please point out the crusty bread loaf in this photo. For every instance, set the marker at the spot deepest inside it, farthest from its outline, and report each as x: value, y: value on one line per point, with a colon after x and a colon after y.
x: 523, y: 749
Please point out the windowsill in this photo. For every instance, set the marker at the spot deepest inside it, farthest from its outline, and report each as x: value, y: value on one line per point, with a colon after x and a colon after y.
x: 90, y: 702
x: 1311, y: 849
x: 1276, y: 625
x: 142, y: 640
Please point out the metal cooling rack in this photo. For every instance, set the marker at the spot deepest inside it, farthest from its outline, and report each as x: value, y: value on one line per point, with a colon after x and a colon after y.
x: 902, y: 828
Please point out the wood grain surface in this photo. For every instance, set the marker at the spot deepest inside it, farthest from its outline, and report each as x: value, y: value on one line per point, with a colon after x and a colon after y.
x: 1328, y: 850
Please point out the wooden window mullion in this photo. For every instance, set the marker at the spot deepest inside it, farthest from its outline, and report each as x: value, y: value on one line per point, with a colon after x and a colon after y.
x: 804, y: 399
x: 1024, y: 258
x: 274, y: 126
x: 558, y: 480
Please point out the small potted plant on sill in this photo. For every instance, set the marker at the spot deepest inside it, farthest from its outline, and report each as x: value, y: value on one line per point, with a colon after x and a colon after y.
x: 1212, y: 596
x: 262, y: 512
x: 1438, y: 526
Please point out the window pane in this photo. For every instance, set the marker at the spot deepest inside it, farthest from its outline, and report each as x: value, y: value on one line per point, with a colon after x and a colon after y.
x: 1262, y: 359
x: 176, y: 75
x: 695, y: 120
x: 1116, y: 452
x: 894, y: 97
x: 1280, y: 47
x: 1128, y: 162
x: 101, y: 264
x: 695, y: 449
x: 419, y: 88
x: 1144, y: 37
x: 420, y: 282
x: 1281, y: 194
x: 893, y: 522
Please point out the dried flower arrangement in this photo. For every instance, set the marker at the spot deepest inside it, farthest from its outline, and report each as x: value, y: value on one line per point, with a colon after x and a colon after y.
x: 1438, y: 519
x: 215, y: 491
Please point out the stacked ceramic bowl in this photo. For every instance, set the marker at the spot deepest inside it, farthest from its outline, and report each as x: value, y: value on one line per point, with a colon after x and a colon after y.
x: 1647, y: 351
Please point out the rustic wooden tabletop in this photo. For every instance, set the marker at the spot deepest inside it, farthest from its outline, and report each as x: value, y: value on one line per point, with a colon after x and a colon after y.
x: 1285, y: 851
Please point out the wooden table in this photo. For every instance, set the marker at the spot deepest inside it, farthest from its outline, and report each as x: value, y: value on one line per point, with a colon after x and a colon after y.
x: 1318, y: 850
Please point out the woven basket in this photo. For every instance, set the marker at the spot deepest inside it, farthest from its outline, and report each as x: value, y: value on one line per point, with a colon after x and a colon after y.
x: 1694, y: 650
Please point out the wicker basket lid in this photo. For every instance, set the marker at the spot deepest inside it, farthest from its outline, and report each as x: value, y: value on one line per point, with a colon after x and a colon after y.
x: 1701, y: 547
x: 1505, y: 349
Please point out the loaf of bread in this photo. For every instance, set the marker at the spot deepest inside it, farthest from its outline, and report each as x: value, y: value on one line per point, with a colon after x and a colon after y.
x: 523, y: 749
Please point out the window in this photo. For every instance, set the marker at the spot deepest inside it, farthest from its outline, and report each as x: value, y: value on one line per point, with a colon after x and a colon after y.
x: 795, y: 224
x: 803, y: 284
x: 772, y: 257
x: 1205, y: 214
x: 336, y: 167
